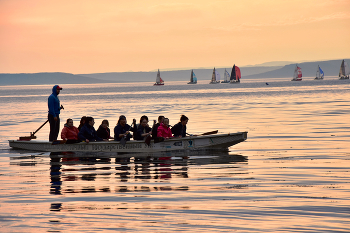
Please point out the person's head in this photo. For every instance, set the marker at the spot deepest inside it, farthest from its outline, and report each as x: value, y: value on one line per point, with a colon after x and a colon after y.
x: 69, y: 122
x: 82, y: 120
x: 56, y: 89
x: 143, y: 118
x: 90, y: 121
x: 105, y: 123
x: 122, y: 120
x: 160, y: 119
x: 166, y: 122
x: 144, y: 122
x: 183, y: 119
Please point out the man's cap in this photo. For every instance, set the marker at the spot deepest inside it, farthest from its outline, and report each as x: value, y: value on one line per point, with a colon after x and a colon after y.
x: 59, y: 88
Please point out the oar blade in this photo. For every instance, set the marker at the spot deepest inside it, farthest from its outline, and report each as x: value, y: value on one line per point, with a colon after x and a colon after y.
x: 211, y: 132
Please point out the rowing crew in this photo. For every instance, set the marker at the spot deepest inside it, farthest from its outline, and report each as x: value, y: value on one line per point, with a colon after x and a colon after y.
x: 122, y: 131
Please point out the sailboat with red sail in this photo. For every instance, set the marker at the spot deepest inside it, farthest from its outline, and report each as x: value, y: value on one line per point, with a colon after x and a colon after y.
x: 159, y: 80
x: 297, y: 74
x: 235, y: 75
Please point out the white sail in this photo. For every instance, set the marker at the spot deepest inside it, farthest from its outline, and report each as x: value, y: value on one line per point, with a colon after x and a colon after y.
x: 226, y: 76
x: 344, y: 71
x: 346, y: 68
x: 217, y: 75
x: 158, y: 77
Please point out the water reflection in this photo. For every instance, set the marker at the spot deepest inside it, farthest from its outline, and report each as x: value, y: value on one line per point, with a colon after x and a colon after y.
x: 90, y: 173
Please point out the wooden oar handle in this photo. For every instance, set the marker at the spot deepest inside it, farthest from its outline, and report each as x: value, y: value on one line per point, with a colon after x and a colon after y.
x: 32, y: 134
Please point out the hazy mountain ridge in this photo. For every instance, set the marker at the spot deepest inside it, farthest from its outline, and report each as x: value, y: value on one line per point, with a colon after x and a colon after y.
x: 45, y: 78
x: 330, y: 68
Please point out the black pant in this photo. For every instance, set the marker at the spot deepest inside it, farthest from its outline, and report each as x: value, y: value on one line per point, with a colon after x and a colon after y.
x: 54, y: 127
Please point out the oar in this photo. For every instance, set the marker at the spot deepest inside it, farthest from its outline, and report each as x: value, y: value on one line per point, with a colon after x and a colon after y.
x: 207, y: 133
x: 28, y: 138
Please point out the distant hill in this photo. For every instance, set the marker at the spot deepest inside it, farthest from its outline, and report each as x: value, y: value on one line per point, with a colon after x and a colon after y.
x: 269, y: 70
x: 330, y: 68
x: 45, y: 78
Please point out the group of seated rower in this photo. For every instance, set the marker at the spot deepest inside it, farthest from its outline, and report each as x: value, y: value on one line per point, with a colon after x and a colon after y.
x: 159, y: 132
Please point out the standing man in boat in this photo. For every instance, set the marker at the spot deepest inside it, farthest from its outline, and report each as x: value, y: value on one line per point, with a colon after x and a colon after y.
x: 54, y: 113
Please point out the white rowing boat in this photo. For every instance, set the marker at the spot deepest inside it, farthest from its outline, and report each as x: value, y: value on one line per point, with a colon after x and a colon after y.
x: 206, y: 142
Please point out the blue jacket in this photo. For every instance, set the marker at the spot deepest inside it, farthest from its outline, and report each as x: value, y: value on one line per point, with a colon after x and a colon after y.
x: 54, y: 103
x: 88, y: 132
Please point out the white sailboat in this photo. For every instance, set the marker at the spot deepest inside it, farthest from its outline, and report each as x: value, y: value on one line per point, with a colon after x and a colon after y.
x: 159, y: 80
x: 297, y: 74
x: 344, y: 71
x: 215, y: 78
x: 226, y: 77
x: 193, y: 79
x: 319, y: 74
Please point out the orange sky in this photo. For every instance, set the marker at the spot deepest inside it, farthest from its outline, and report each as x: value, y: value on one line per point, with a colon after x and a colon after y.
x: 84, y: 36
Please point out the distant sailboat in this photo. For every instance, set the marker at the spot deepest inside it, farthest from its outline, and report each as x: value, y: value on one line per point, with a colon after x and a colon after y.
x: 344, y: 71
x: 319, y: 74
x: 235, y: 75
x: 193, y: 79
x: 159, y: 80
x: 226, y: 77
x: 215, y: 78
x: 297, y: 74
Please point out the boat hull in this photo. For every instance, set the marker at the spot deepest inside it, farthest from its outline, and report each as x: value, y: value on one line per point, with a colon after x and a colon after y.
x: 296, y: 80
x: 158, y: 84
x: 207, y: 142
x: 344, y: 77
x: 192, y: 83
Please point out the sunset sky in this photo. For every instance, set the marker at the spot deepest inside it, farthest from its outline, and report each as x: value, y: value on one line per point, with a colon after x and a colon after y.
x: 84, y: 36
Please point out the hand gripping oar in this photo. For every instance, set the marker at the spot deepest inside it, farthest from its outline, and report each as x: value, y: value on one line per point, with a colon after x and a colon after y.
x: 123, y: 140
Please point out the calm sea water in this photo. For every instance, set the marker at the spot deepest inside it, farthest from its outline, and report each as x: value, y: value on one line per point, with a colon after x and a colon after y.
x: 291, y: 175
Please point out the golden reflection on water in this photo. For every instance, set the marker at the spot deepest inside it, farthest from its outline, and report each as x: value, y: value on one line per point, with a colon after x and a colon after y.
x: 290, y: 175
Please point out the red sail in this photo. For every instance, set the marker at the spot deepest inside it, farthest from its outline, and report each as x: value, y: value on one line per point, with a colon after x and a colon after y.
x: 238, y: 73
x: 161, y: 80
x: 299, y: 73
